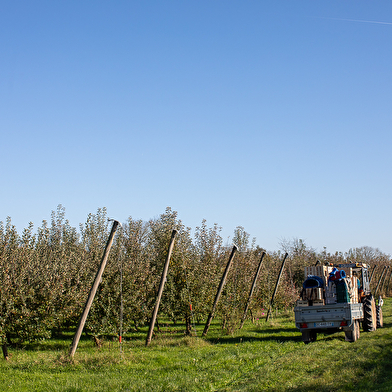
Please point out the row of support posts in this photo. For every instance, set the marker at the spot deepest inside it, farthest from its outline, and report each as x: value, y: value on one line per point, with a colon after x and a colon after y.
x: 384, y: 272
x: 101, y: 269
x: 96, y: 283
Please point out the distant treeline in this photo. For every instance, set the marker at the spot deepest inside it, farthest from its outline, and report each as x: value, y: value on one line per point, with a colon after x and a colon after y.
x: 46, y: 275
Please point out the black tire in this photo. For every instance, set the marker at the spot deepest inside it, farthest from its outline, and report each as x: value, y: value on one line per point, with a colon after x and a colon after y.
x: 309, y: 336
x: 380, y: 320
x: 313, y: 336
x: 369, y: 317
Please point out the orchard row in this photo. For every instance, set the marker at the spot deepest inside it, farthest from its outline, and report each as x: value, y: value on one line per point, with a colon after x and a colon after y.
x: 46, y: 275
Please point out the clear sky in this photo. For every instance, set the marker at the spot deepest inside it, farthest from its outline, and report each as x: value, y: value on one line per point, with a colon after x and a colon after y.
x: 271, y: 115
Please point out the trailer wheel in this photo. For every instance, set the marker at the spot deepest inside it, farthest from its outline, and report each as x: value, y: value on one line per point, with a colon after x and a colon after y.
x: 369, y: 318
x: 353, y: 336
x: 309, y: 336
x: 380, y: 320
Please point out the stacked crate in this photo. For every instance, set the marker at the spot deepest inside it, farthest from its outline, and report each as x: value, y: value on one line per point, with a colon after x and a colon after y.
x: 352, y: 285
x: 315, y: 296
x: 322, y: 271
x: 348, y: 292
x: 330, y: 293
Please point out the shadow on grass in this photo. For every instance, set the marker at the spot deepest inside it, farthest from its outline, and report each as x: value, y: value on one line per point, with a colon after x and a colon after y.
x: 270, y: 334
x: 53, y: 346
x: 57, y: 342
x: 275, y: 334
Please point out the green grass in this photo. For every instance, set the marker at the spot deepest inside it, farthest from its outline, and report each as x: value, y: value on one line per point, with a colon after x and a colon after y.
x: 268, y: 356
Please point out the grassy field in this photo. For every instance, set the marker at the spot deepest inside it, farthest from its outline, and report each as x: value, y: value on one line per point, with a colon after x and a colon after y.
x: 264, y: 356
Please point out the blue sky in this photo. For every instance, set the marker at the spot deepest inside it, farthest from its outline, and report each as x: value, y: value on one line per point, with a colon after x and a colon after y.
x: 271, y: 115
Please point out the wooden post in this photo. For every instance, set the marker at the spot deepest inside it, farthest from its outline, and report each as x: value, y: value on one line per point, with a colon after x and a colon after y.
x: 93, y: 291
x: 276, y: 287
x: 252, y: 290
x: 371, y: 275
x: 219, y: 292
x: 381, y: 279
x: 378, y: 283
x: 385, y: 278
x: 389, y: 280
x: 160, y: 291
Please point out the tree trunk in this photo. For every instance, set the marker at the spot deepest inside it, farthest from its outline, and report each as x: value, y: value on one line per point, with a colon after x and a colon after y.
x: 5, y: 351
x: 188, y: 325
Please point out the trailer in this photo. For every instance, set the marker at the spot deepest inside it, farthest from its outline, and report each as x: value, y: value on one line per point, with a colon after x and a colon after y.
x: 337, y: 298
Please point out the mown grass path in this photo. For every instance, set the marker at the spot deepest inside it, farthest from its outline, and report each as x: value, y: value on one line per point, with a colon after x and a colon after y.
x: 268, y: 356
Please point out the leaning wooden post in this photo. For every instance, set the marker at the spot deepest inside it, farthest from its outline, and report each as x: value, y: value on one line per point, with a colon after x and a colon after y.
x: 252, y: 290
x: 371, y: 275
x: 93, y: 291
x: 276, y: 287
x: 385, y: 278
x: 160, y: 291
x: 219, y: 292
x: 389, y: 280
x: 379, y: 281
